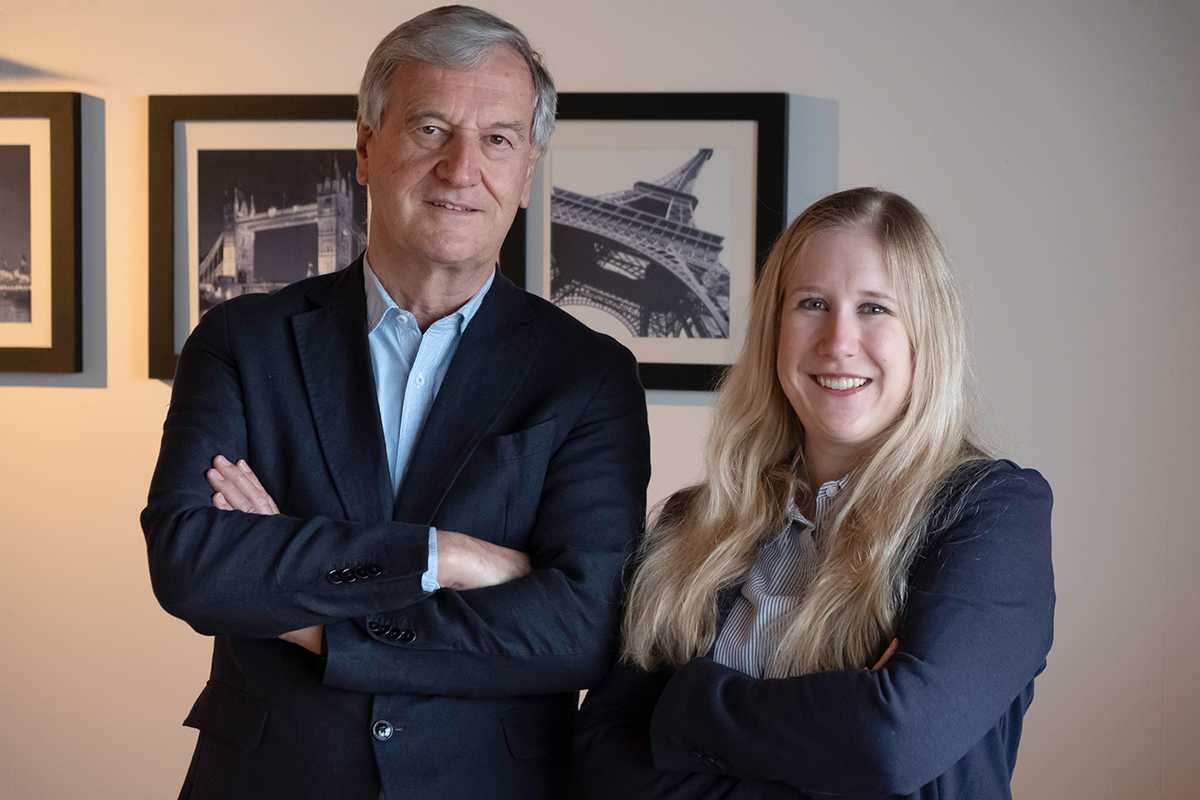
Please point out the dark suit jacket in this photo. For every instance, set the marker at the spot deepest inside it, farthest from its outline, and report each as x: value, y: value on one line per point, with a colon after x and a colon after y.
x: 537, y: 441
x: 941, y: 720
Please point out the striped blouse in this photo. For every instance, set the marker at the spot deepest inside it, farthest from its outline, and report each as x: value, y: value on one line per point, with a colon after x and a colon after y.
x: 787, y: 564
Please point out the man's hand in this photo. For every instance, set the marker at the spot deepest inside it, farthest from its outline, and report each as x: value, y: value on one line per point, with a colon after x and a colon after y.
x: 237, y: 488
x: 464, y: 562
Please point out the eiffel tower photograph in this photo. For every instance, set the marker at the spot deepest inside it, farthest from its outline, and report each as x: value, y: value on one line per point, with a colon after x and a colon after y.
x: 639, y: 252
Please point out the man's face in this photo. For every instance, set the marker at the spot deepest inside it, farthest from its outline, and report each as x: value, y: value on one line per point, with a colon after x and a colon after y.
x: 450, y: 163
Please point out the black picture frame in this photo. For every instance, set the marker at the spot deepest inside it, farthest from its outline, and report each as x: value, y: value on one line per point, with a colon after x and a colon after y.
x: 64, y: 112
x: 768, y: 110
x: 165, y: 112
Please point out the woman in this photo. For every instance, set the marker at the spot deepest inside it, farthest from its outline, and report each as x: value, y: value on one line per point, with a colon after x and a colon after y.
x: 847, y: 519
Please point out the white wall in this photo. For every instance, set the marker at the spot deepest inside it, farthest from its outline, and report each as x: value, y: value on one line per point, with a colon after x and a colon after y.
x: 1054, y: 144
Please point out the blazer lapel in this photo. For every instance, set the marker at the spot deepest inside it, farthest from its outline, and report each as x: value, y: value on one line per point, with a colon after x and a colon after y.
x: 492, y: 360
x: 336, y: 363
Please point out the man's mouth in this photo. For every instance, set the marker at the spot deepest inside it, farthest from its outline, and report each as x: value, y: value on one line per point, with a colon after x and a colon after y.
x: 840, y: 384
x: 450, y: 206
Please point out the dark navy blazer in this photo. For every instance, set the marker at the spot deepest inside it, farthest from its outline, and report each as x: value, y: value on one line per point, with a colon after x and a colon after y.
x: 941, y: 719
x: 537, y: 441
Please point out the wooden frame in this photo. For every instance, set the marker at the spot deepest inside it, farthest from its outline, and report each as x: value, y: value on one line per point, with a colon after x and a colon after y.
x: 767, y: 198
x: 61, y: 346
x: 168, y: 116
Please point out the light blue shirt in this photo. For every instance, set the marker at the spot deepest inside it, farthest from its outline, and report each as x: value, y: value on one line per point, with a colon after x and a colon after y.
x: 409, y: 367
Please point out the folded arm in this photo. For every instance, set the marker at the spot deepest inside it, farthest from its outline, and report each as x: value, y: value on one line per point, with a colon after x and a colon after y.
x: 552, y: 630
x: 977, y: 629
x: 248, y: 575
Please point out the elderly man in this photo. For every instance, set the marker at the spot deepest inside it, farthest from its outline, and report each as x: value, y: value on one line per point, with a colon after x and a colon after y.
x: 459, y: 470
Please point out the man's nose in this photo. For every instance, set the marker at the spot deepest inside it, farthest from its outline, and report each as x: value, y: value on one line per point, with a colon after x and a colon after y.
x: 459, y: 165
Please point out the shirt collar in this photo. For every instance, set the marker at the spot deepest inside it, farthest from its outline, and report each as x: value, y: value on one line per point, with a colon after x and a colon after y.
x: 827, y: 492
x: 379, y: 302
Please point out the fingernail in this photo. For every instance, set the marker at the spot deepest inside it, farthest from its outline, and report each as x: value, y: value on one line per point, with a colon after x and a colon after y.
x: 213, y: 475
x: 222, y: 461
x: 243, y: 466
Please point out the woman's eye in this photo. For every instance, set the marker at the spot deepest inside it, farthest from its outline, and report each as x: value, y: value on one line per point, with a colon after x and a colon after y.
x: 874, y: 308
x: 813, y: 304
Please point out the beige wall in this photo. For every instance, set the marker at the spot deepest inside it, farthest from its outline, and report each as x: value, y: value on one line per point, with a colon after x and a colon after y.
x: 1054, y: 144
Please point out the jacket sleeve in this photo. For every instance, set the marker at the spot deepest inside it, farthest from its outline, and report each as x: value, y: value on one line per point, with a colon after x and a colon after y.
x: 553, y: 630
x: 612, y: 747
x: 246, y: 575
x: 977, y: 629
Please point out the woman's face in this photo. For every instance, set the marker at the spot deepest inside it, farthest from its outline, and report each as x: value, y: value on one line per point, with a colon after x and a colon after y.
x: 845, y: 360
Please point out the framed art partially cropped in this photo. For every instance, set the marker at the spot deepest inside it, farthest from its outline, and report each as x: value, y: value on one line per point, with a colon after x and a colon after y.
x: 247, y: 195
x: 648, y: 219
x: 40, y: 232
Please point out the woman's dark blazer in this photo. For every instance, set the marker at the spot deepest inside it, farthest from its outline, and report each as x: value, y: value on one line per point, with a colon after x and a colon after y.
x: 941, y: 719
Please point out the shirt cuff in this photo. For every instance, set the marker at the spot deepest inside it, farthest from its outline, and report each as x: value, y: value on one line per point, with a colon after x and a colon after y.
x: 429, y: 577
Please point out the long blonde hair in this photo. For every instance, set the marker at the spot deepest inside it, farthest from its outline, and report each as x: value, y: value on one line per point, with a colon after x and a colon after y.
x: 705, y: 537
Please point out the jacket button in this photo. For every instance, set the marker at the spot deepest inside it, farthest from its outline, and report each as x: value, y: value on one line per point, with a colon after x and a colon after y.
x: 373, y: 626
x: 407, y: 636
x: 382, y: 730
x: 334, y: 576
x: 348, y: 575
x: 374, y: 570
x: 392, y: 633
x: 361, y: 573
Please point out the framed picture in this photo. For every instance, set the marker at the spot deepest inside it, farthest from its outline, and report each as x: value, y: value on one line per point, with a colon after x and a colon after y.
x: 649, y: 218
x: 247, y: 194
x: 41, y: 299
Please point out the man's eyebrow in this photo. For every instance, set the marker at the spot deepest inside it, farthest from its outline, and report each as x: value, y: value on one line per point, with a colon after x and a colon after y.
x: 516, y: 126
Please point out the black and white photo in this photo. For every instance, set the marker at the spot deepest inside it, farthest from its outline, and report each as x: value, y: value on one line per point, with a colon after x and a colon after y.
x: 647, y: 255
x: 268, y: 218
x: 15, y: 235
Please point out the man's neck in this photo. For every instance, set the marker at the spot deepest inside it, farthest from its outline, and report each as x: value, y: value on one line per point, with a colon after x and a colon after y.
x: 429, y: 293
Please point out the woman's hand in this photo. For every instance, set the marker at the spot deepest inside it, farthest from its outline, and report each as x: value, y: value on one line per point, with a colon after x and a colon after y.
x: 237, y: 488
x: 883, y: 659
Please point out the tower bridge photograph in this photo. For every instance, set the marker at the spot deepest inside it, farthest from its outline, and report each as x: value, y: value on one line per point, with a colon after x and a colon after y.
x: 268, y: 218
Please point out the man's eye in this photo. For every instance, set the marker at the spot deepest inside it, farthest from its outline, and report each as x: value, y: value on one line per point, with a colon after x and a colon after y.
x: 430, y: 129
x: 497, y: 140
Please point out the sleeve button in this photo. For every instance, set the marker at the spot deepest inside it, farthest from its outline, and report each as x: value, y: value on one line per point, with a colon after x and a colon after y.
x: 348, y: 575
x: 407, y: 636
x: 721, y: 764
x: 361, y: 573
x: 334, y: 576
x: 694, y: 755
x: 373, y: 626
x: 392, y: 633
x: 374, y: 570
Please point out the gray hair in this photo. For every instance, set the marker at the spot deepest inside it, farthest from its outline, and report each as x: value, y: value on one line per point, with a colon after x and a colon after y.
x: 460, y: 38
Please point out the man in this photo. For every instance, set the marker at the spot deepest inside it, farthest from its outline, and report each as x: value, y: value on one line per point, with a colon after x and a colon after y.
x: 460, y: 471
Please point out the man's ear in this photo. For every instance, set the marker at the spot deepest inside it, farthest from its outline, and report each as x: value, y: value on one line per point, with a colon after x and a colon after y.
x: 364, y: 134
x: 533, y: 162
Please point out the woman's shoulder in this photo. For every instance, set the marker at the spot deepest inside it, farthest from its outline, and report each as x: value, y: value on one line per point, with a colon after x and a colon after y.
x: 990, y: 487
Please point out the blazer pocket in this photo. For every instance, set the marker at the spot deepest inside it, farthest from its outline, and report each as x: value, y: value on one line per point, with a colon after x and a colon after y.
x: 539, y: 729
x: 230, y: 713
x: 513, y: 446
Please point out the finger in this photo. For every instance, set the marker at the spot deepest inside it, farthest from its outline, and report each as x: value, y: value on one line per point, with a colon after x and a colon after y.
x: 256, y: 497
x: 891, y: 649
x: 249, y: 473
x: 229, y: 491
x: 220, y: 502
